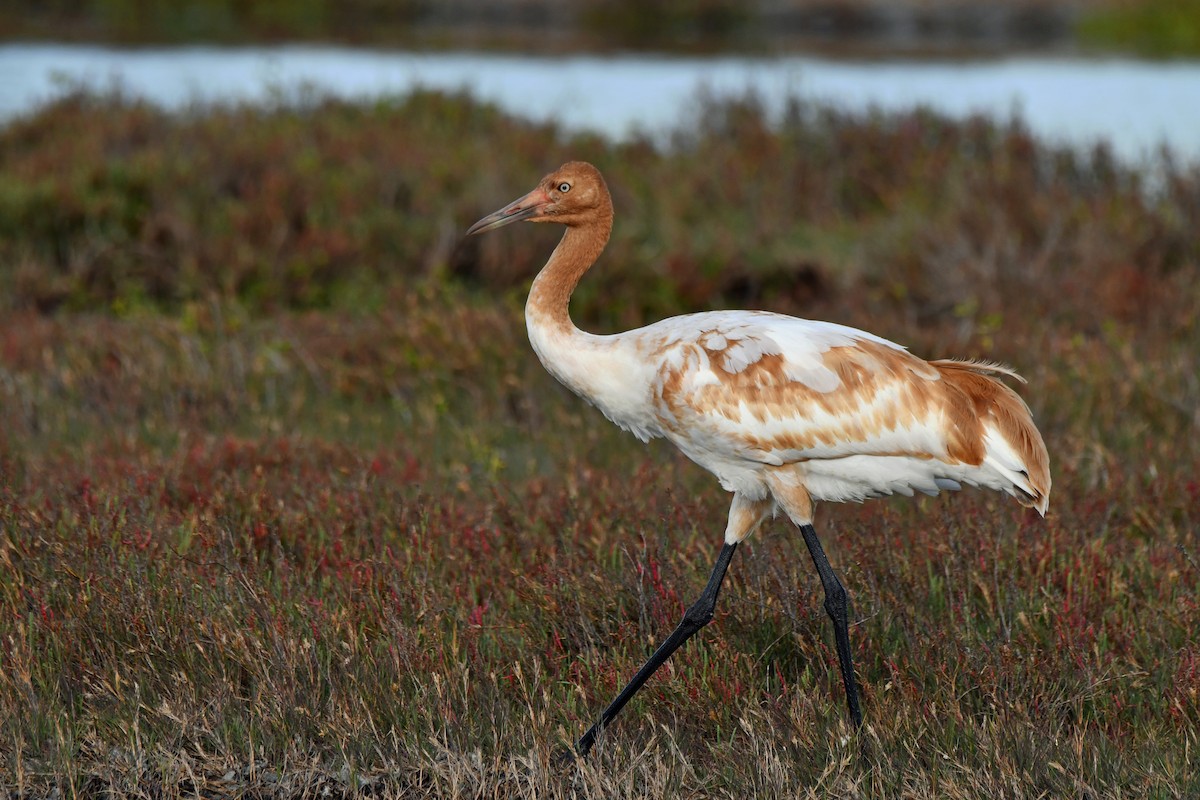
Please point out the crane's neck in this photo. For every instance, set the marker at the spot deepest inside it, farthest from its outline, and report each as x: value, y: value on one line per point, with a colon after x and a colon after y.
x: 601, y: 369
x: 550, y: 296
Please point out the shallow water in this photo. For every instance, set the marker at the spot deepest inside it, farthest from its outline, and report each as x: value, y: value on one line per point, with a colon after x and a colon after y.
x: 1136, y: 106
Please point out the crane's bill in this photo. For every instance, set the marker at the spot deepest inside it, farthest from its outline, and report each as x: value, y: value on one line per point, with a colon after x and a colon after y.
x: 525, y: 207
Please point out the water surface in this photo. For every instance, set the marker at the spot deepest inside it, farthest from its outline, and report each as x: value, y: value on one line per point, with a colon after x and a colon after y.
x: 1136, y: 106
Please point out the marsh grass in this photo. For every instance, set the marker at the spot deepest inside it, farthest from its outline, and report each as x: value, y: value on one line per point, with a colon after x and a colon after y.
x: 276, y: 530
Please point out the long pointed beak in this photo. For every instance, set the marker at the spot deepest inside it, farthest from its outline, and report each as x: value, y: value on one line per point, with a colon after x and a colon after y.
x: 525, y: 207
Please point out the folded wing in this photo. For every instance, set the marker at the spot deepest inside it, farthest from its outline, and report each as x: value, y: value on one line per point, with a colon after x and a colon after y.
x: 780, y: 390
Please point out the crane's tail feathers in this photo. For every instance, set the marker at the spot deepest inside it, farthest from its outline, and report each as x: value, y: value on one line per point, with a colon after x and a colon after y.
x: 1012, y: 448
x: 1031, y: 491
x: 980, y: 367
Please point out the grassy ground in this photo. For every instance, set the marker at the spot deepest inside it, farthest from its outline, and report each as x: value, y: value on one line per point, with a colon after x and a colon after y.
x: 287, y: 505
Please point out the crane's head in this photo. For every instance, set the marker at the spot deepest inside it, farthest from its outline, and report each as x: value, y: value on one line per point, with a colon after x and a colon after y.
x: 574, y: 194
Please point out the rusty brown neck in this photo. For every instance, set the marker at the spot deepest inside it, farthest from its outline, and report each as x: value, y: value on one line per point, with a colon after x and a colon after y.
x: 550, y: 296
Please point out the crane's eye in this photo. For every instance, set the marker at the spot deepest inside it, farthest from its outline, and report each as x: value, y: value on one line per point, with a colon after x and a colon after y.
x: 564, y: 187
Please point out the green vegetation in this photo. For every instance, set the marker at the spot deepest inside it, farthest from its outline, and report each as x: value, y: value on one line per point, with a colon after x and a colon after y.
x: 1157, y: 28
x: 287, y: 505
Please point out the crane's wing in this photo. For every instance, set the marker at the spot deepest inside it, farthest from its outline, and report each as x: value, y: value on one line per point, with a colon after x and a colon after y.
x: 778, y: 389
x: 863, y: 415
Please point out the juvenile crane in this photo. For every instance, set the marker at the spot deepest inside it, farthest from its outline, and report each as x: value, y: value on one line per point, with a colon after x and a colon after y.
x: 784, y: 411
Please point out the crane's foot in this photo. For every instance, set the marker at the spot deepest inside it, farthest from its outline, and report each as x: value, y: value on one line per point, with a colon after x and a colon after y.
x: 564, y: 757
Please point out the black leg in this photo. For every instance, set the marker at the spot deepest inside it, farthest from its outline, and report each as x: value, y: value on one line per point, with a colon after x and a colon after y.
x: 836, y: 604
x: 695, y: 618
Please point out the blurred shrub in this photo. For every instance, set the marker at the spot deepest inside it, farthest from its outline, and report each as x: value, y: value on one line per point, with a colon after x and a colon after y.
x: 280, y: 208
x: 108, y: 203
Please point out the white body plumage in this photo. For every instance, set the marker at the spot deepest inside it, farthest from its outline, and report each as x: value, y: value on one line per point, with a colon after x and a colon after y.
x: 757, y: 398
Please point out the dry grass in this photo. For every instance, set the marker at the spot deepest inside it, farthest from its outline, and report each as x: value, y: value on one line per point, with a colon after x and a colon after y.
x: 260, y: 541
